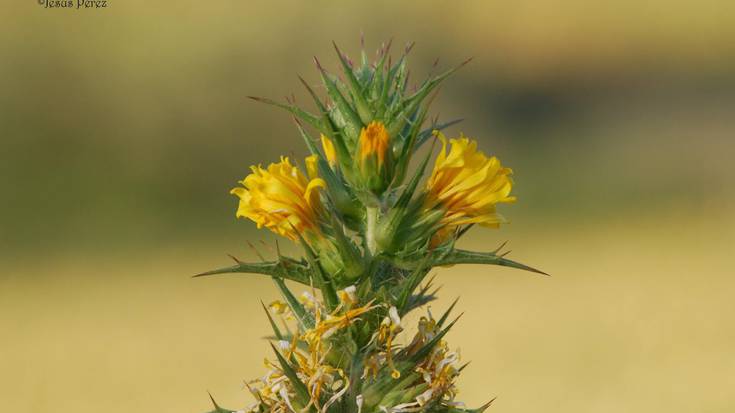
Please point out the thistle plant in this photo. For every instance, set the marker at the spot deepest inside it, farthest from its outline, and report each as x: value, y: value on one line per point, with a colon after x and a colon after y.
x: 371, y: 229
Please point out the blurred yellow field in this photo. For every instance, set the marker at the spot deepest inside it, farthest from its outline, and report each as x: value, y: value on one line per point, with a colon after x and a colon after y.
x: 635, y: 316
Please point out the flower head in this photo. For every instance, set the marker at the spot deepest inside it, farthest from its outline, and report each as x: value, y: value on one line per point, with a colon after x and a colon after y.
x: 281, y: 198
x: 467, y: 185
x: 373, y: 156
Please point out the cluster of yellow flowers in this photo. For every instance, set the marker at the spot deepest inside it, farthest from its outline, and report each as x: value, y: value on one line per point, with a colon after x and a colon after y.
x: 465, y: 184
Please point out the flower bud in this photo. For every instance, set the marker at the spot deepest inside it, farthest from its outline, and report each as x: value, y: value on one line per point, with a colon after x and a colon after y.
x: 374, y: 159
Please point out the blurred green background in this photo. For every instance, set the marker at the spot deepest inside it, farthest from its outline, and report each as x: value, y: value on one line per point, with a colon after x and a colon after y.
x: 123, y: 130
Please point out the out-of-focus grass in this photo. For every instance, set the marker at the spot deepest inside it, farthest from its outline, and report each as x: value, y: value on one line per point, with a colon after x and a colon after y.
x: 123, y: 130
x: 128, y: 125
x: 633, y: 319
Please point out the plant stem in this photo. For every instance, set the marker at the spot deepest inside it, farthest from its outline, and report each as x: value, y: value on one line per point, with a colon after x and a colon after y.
x: 372, y: 222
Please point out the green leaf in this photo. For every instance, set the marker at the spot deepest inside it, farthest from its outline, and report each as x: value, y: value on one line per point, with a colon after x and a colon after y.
x: 275, y: 328
x: 340, y: 194
x: 410, y: 188
x: 302, y: 393
x: 217, y: 408
x: 458, y: 256
x: 323, y: 282
x: 285, y: 268
x: 426, y: 349
x: 305, y: 318
x: 353, y: 124
x: 412, y: 103
x: 444, y: 316
x: 356, y: 88
x: 328, y: 129
x: 411, y: 283
x: 407, y: 148
x: 425, y: 134
x: 481, y: 409
x: 295, y: 110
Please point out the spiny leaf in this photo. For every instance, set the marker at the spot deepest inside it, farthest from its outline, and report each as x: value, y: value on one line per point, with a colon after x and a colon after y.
x: 482, y: 408
x: 298, y: 112
x: 217, y: 408
x: 290, y: 270
x: 306, y: 319
x: 353, y: 124
x: 376, y: 82
x: 325, y: 171
x: 410, y: 188
x: 302, y: 393
x: 313, y: 95
x: 458, y: 256
x: 355, y: 87
x: 407, y: 148
x: 452, y: 409
x: 411, y: 283
x: 427, y: 133
x: 428, y: 346
x: 276, y: 330
x: 444, y: 316
x: 328, y: 128
x: 324, y: 283
x: 411, y: 104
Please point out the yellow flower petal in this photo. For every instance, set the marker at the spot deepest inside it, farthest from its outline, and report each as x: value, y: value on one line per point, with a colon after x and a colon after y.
x: 467, y: 185
x: 374, y: 141
x: 281, y: 198
x: 329, y: 151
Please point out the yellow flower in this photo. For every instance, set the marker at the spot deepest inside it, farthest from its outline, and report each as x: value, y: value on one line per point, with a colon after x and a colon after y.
x: 374, y: 140
x: 281, y: 198
x: 329, y: 151
x: 467, y: 185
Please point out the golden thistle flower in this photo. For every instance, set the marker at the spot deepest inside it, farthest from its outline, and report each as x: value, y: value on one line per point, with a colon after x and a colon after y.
x: 281, y: 198
x: 467, y: 185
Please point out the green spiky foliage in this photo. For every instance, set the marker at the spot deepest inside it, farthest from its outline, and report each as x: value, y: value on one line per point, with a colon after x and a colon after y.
x: 377, y: 242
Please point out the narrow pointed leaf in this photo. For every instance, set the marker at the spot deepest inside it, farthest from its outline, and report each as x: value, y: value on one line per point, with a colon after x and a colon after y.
x: 410, y: 188
x: 426, y: 134
x: 324, y: 283
x: 413, y: 281
x: 275, y: 328
x: 292, y: 270
x: 444, y: 316
x: 302, y: 393
x: 353, y: 124
x: 426, y: 349
x: 295, y: 110
x: 306, y: 319
x: 356, y: 88
x: 217, y: 408
x: 458, y: 256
